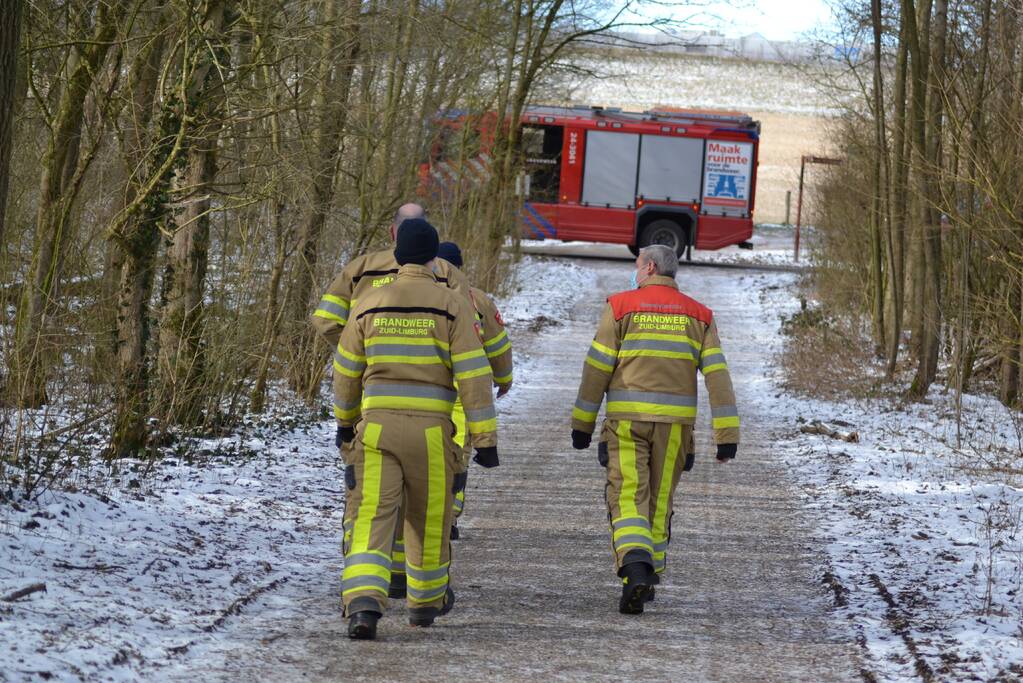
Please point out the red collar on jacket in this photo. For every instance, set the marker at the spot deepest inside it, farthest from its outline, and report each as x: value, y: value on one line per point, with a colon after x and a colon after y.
x: 658, y: 294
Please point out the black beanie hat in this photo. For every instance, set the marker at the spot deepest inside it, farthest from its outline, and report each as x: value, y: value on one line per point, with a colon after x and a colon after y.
x: 416, y: 242
x: 450, y: 252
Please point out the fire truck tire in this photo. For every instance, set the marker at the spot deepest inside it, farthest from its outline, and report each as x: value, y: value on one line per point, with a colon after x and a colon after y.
x: 634, y: 248
x: 664, y: 231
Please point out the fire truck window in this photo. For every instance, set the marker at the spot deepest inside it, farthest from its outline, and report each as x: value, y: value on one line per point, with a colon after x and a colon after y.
x: 541, y: 151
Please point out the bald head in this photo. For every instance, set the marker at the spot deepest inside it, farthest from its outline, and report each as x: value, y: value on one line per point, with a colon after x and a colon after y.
x: 405, y: 212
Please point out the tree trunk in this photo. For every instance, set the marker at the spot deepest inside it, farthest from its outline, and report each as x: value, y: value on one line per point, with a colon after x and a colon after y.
x: 58, y: 187
x: 331, y: 107
x: 136, y: 246
x: 897, y: 200
x: 10, y: 37
x: 878, y: 221
x: 181, y: 355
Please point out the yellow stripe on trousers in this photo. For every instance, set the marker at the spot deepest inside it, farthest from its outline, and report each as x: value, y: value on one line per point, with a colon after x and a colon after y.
x: 630, y: 475
x: 433, y: 533
x: 660, y: 531
x: 372, y: 467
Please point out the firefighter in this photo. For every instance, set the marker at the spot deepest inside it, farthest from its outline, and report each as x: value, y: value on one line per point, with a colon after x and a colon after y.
x: 362, y: 275
x: 497, y: 344
x: 649, y: 344
x: 401, y: 352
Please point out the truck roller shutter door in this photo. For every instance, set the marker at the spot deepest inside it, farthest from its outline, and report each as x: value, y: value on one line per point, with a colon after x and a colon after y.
x: 609, y: 175
x: 670, y: 168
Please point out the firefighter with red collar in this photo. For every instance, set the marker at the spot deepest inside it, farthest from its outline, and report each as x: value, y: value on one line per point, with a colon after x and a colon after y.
x: 649, y: 345
x: 402, y: 351
x: 498, y: 346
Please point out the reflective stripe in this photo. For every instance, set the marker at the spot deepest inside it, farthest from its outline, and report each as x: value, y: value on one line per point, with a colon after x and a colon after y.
x: 347, y: 364
x: 393, y: 396
x: 627, y: 465
x: 660, y: 336
x: 623, y: 522
x: 367, y: 569
x: 381, y: 351
x: 434, y: 533
x: 483, y: 426
x: 498, y: 345
x: 651, y: 403
x: 458, y: 419
x: 420, y: 575
x: 601, y: 358
x: 333, y: 308
x: 363, y: 583
x: 658, y: 348
x: 606, y: 350
x: 368, y: 558
x: 470, y: 364
x: 724, y: 422
x: 712, y: 363
x: 712, y: 359
x: 663, y: 501
x: 343, y: 412
x: 503, y: 379
x: 583, y: 415
x: 651, y: 397
x: 634, y: 540
x: 488, y: 413
x: 430, y: 595
x: 372, y: 467
x: 724, y: 411
x: 408, y: 341
x: 481, y: 420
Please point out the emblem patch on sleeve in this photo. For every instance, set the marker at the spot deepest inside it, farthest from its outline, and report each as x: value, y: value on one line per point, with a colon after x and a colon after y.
x: 498, y: 318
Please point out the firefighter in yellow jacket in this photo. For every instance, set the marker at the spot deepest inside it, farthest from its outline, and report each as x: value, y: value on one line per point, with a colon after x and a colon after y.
x: 649, y: 345
x: 367, y: 273
x: 401, y: 352
x: 363, y: 275
x: 498, y: 346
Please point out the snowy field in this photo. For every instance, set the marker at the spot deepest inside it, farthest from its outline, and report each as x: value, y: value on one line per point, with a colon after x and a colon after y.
x: 646, y: 80
x: 144, y: 570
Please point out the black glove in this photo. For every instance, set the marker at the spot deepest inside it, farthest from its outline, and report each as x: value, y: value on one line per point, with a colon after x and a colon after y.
x: 602, y: 454
x: 344, y: 435
x: 581, y: 440
x: 350, y: 476
x: 461, y: 479
x: 486, y: 457
x: 726, y: 451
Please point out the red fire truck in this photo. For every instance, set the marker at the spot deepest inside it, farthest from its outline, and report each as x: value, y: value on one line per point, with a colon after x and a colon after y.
x: 683, y: 178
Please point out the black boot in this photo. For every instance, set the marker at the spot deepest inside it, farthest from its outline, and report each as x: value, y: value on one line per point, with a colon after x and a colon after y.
x: 637, y: 582
x: 454, y: 532
x: 398, y: 587
x: 363, y: 625
x: 424, y: 616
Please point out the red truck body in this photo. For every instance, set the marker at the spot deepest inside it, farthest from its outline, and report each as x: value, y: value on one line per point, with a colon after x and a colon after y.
x: 684, y: 178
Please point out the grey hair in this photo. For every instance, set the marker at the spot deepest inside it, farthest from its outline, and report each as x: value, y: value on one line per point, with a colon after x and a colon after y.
x: 664, y: 258
x: 407, y: 211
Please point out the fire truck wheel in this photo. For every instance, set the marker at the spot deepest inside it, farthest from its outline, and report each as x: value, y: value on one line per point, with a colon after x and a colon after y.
x: 664, y: 231
x: 634, y: 248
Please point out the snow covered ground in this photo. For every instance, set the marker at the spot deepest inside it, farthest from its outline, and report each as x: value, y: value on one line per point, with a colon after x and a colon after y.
x: 145, y: 568
x: 922, y: 519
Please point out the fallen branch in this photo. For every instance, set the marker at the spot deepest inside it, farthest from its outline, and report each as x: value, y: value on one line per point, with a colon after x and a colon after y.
x: 236, y: 606
x: 23, y: 592
x: 88, y: 567
x: 818, y: 427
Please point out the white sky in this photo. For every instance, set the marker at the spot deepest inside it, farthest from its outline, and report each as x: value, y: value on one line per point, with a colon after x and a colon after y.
x: 774, y: 19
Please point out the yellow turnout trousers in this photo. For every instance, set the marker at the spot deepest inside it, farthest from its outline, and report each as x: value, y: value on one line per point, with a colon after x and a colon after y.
x: 399, y: 455
x: 644, y: 463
